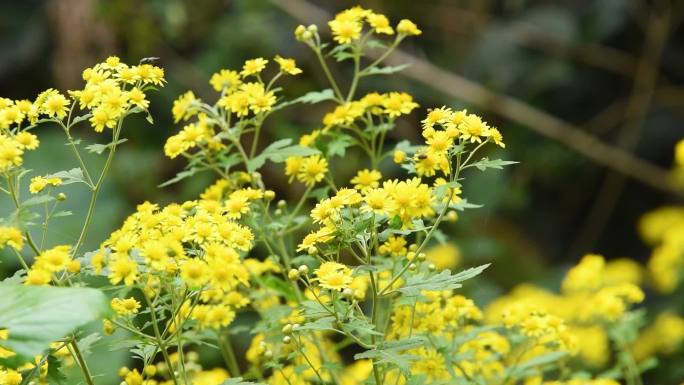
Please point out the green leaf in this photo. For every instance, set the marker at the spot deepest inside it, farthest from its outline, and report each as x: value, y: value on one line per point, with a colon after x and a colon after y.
x: 312, y: 97
x: 39, y: 315
x: 542, y: 359
x: 75, y: 175
x: 37, y: 200
x: 338, y: 146
x: 180, y: 176
x: 100, y: 148
x: 384, y: 70
x: 486, y: 163
x: 443, y: 280
x: 240, y: 381
x: 278, y: 151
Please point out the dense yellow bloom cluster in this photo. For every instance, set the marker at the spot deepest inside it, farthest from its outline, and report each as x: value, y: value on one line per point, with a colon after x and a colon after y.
x: 664, y: 230
x: 160, y: 373
x: 53, y: 264
x: 198, y: 241
x: 347, y: 26
x: 595, y: 295
x: 243, y: 96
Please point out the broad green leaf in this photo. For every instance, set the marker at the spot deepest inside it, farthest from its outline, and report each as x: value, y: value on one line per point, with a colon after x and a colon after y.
x: 37, y: 200
x: 180, y: 176
x: 39, y: 315
x: 312, y: 97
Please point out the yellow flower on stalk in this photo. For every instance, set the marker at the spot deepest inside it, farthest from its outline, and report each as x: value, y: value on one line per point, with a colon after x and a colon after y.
x: 55, y: 259
x: 11, y: 236
x: 380, y: 23
x: 37, y: 277
x: 55, y: 105
x: 378, y: 201
x: 39, y: 183
x: 228, y: 80
x: 195, y: 273
x: 312, y: 170
x: 366, y: 179
x: 407, y: 27
x: 182, y: 107
x: 288, y: 66
x: 253, y: 66
x: 125, y: 306
x: 345, y: 31
x: 102, y: 117
x: 123, y: 269
x: 27, y: 140
x: 333, y: 276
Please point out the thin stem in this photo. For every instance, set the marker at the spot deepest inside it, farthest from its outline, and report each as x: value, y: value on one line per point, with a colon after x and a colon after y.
x: 160, y: 342
x: 76, y: 352
x: 228, y: 354
x: 326, y: 70
x: 96, y: 188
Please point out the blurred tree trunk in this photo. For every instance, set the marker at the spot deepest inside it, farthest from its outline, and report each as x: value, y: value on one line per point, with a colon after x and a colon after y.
x: 80, y: 39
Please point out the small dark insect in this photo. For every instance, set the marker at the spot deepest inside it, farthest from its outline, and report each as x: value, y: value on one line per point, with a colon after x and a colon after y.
x: 422, y: 156
x: 150, y: 59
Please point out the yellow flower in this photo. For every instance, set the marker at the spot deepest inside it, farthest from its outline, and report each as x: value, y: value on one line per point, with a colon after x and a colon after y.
x: 380, y: 23
x: 183, y: 107
x: 123, y: 269
x: 27, y: 140
x: 288, y: 66
x: 312, y: 170
x: 679, y: 153
x: 345, y: 31
x: 55, y: 259
x: 407, y: 27
x: 253, y: 66
x: 39, y: 183
x: 195, y: 273
x: 446, y: 256
x: 11, y: 236
x: 366, y: 179
x: 56, y: 105
x: 333, y: 276
x: 225, y: 79
x: 125, y: 307
x: 37, y: 277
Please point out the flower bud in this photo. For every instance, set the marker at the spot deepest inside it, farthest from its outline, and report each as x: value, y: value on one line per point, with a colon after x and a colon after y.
x: 61, y: 197
x: 282, y: 204
x: 287, y: 329
x: 413, y: 267
x: 303, y: 269
x: 269, y: 195
x: 432, y: 267
x: 287, y: 340
x: 293, y: 274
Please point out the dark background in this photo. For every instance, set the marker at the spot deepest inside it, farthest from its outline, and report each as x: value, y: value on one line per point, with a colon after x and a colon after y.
x: 611, y: 69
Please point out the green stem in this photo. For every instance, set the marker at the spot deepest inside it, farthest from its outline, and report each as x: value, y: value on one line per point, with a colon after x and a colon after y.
x: 160, y: 342
x: 81, y: 362
x: 326, y: 70
x: 96, y: 188
x: 228, y: 354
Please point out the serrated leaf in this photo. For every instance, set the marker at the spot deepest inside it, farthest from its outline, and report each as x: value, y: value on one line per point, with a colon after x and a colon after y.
x: 75, y: 175
x: 37, y: 200
x: 312, y: 97
x: 180, y: 176
x: 100, y: 148
x: 486, y: 163
x: 443, y: 280
x: 338, y: 146
x: 38, y: 315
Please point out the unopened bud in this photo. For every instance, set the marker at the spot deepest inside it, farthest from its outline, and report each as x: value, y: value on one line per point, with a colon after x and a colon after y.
x: 287, y: 329
x: 432, y: 267
x: 269, y: 195
x: 287, y: 340
x: 282, y: 204
x: 303, y: 269
x: 413, y: 266
x: 293, y: 275
x: 61, y: 197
